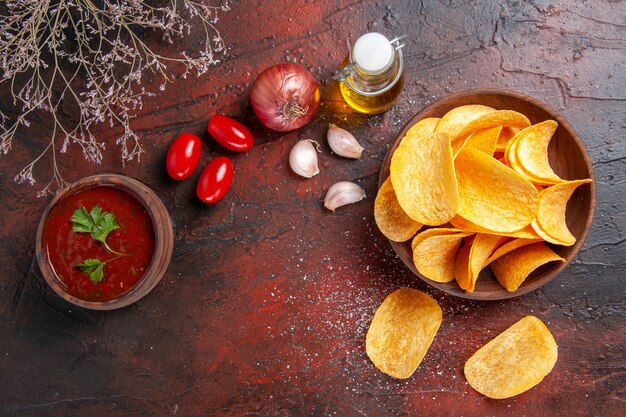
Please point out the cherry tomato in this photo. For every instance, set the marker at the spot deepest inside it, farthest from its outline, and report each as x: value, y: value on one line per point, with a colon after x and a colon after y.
x: 230, y: 133
x: 183, y: 156
x: 215, y: 180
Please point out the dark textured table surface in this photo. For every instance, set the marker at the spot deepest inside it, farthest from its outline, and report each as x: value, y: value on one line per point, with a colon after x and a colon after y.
x: 264, y: 308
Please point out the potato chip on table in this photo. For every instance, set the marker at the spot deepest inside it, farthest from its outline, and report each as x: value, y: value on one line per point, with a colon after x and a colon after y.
x: 401, y: 331
x: 513, y: 362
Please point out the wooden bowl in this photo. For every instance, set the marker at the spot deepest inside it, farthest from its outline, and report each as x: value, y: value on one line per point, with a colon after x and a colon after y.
x: 163, y: 240
x: 568, y: 158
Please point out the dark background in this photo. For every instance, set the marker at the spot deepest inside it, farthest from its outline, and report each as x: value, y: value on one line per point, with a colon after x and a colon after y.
x: 266, y: 303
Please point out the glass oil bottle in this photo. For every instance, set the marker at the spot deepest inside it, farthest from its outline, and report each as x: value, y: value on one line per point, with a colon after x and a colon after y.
x: 372, y: 75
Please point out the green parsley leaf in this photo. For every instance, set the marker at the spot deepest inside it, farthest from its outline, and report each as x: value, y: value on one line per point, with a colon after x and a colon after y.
x: 94, y: 268
x: 106, y: 225
x: 82, y: 221
x: 96, y: 214
x: 97, y: 222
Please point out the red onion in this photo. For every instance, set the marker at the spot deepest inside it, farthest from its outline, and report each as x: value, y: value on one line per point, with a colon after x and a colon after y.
x: 285, y: 97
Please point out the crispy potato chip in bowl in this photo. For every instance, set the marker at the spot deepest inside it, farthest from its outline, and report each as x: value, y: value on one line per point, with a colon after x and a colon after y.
x: 493, y: 197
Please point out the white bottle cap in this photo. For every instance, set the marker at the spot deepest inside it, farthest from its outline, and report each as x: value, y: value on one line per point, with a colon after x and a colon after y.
x: 373, y: 53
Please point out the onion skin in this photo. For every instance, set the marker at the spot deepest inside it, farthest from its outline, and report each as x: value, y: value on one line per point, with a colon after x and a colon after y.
x: 285, y: 97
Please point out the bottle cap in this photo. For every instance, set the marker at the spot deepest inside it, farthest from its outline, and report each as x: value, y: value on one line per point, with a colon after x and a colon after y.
x: 373, y: 53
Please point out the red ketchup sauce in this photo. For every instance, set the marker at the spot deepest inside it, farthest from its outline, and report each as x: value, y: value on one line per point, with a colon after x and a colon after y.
x: 65, y: 248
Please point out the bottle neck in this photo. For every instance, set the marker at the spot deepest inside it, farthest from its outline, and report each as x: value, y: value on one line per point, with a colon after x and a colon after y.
x: 365, y: 83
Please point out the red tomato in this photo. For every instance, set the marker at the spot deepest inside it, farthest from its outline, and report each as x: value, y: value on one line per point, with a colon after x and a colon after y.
x: 215, y: 180
x: 183, y: 156
x: 230, y: 133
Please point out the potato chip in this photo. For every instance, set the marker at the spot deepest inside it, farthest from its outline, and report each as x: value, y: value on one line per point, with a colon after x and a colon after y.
x: 435, y: 231
x: 468, y: 240
x: 454, y: 120
x: 392, y: 221
x: 508, y: 118
x: 514, y: 361
x: 513, y: 268
x: 422, y: 173
x: 485, y: 139
x: 471, y: 259
x: 510, y: 158
x: 482, y: 247
x: 531, y: 152
x: 509, y: 247
x: 401, y: 331
x: 434, y: 257
x: 491, y: 195
x: 550, y: 222
x: 461, y: 265
x: 465, y: 225
x: 458, y: 145
x: 545, y: 236
x: 512, y: 161
x: 507, y: 152
x: 506, y: 134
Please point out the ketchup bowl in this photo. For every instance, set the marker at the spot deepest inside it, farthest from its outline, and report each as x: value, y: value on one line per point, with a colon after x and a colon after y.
x: 104, y: 242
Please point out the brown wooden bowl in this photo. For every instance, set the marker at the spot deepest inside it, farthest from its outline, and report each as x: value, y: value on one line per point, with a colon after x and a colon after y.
x: 568, y: 158
x: 163, y: 243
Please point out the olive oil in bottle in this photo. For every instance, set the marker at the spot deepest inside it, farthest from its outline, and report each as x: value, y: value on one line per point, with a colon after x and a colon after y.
x: 372, y: 75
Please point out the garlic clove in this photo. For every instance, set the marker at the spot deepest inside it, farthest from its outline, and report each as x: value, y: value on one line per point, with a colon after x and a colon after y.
x: 342, y: 193
x: 343, y: 143
x: 303, y: 158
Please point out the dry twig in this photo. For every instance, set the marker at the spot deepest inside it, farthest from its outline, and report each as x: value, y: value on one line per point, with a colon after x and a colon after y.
x: 92, y: 54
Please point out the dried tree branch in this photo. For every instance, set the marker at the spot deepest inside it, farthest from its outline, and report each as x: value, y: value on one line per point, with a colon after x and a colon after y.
x: 92, y: 55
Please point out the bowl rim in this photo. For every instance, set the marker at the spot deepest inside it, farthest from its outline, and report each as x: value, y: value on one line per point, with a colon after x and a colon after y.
x: 531, y: 286
x: 163, y: 239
